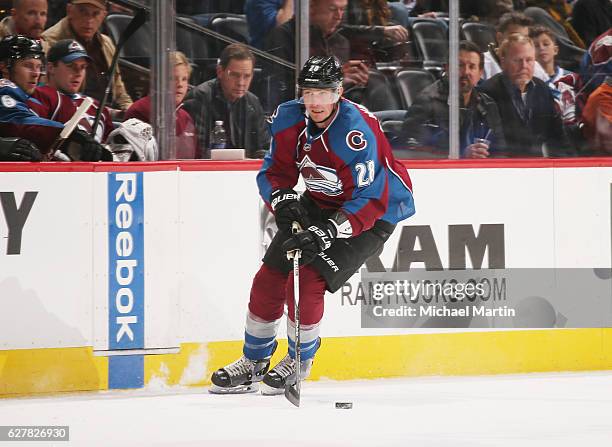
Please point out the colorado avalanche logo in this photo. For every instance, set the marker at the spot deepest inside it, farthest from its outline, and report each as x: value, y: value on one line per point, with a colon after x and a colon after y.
x: 320, y: 178
x: 75, y: 46
x: 356, y: 140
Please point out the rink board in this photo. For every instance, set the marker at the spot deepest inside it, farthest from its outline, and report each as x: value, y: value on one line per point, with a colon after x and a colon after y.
x: 196, y: 239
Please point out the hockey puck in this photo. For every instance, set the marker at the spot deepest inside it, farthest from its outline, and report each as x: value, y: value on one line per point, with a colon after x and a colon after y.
x: 344, y: 405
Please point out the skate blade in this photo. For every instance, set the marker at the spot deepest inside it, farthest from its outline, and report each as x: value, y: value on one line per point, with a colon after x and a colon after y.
x: 268, y: 390
x: 239, y: 389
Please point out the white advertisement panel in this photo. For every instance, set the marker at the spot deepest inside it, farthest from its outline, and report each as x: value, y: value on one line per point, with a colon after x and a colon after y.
x: 65, y: 254
x: 46, y: 266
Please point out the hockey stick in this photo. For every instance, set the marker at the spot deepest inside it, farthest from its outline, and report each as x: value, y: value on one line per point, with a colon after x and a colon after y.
x: 139, y: 19
x: 69, y: 127
x: 292, y: 391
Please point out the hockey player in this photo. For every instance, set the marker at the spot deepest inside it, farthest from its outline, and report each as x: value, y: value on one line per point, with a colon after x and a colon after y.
x: 356, y: 193
x: 60, y: 98
x: 22, y: 62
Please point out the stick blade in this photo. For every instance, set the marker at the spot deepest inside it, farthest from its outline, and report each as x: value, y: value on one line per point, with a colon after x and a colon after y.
x: 292, y: 393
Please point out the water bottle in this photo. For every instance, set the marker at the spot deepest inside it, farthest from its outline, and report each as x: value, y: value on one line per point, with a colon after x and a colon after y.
x: 218, y: 137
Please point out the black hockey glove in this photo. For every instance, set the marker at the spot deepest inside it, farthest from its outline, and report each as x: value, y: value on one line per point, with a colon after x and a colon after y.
x: 83, y: 147
x: 317, y: 238
x: 18, y: 149
x: 287, y: 209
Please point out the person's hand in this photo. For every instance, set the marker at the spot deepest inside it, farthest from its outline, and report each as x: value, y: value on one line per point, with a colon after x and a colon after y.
x: 429, y: 15
x: 397, y: 33
x: 355, y: 73
x: 316, y: 239
x: 477, y: 150
x: 83, y: 147
x: 18, y: 149
x: 287, y: 209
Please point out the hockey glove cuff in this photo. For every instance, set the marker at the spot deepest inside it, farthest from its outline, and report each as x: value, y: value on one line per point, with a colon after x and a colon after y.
x: 18, y: 149
x: 287, y: 209
x: 317, y: 238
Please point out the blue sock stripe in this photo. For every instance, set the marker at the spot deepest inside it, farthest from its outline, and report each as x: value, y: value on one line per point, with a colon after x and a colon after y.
x: 307, y: 350
x: 253, y: 340
x: 256, y: 348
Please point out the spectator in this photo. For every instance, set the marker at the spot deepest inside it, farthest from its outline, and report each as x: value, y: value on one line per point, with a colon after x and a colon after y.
x: 509, y: 23
x: 546, y: 47
x: 227, y: 98
x: 532, y: 125
x: 595, y: 66
x: 263, y: 15
x: 82, y: 23
x: 186, y: 139
x: 60, y: 98
x: 28, y: 18
x: 428, y: 117
x: 597, y: 119
x: 325, y: 40
x: 367, y: 25
x: 591, y: 18
x: 22, y: 62
x: 554, y: 14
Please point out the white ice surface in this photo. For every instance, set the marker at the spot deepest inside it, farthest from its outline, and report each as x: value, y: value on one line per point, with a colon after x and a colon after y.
x: 520, y: 410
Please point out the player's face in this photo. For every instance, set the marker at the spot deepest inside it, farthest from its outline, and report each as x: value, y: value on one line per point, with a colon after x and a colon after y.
x: 546, y: 49
x: 69, y: 77
x: 519, y: 63
x: 85, y: 19
x: 236, y: 78
x: 181, y: 82
x: 320, y: 104
x: 327, y: 14
x: 30, y: 17
x: 469, y: 70
x: 26, y: 73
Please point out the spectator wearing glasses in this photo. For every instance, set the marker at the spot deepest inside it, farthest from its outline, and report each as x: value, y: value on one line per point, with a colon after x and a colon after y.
x: 227, y: 98
x: 82, y: 23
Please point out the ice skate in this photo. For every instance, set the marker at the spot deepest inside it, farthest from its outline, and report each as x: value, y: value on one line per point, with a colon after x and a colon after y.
x: 241, y: 376
x: 284, y: 372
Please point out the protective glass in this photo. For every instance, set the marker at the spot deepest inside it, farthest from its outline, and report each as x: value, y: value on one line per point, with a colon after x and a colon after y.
x: 319, y: 96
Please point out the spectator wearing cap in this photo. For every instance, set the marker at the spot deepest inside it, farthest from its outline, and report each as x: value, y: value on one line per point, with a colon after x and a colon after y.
x: 67, y: 63
x: 186, y: 138
x: 82, y: 23
x: 28, y: 18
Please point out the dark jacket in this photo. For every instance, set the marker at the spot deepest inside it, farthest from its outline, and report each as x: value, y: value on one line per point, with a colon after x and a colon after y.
x: 244, y: 120
x: 528, y: 126
x: 428, y: 120
x: 281, y: 43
